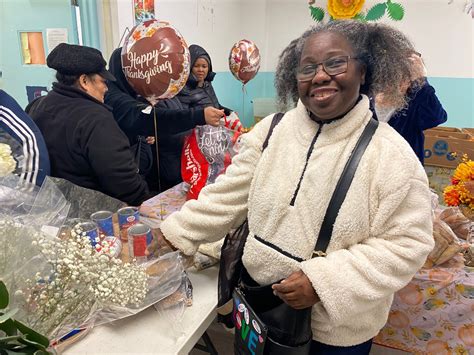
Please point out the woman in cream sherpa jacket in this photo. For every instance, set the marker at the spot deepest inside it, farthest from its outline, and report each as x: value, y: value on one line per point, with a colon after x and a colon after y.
x: 381, y: 236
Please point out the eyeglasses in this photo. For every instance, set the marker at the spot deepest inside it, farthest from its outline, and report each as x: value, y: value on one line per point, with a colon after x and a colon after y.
x: 332, y: 66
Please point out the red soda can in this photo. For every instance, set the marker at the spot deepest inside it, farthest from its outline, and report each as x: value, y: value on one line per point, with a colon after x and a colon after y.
x: 139, y: 238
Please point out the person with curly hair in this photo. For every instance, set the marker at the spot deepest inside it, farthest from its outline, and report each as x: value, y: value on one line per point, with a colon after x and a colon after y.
x: 422, y: 111
x: 382, y: 233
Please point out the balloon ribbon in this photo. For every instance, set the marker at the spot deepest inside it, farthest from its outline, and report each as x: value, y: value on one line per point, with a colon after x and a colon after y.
x: 157, y: 149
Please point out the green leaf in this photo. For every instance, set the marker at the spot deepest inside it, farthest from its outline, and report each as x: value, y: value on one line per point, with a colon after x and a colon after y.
x: 8, y: 327
x: 317, y: 13
x: 3, y: 296
x: 34, y: 336
x: 395, y: 11
x: 376, y: 12
x: 8, y: 315
x: 360, y: 17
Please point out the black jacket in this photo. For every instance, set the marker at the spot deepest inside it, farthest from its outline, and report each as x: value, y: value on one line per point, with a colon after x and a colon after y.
x: 192, y: 95
x: 173, y: 121
x: 85, y: 144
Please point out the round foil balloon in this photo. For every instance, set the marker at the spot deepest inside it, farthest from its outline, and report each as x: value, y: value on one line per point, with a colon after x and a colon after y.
x: 244, y: 60
x: 155, y: 60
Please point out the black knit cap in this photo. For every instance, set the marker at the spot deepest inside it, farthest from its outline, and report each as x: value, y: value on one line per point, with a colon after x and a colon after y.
x: 71, y: 59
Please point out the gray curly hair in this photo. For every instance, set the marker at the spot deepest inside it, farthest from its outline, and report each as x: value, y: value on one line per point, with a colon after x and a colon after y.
x: 384, y: 50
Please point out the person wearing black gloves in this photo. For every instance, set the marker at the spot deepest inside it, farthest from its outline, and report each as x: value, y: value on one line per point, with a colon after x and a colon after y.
x: 135, y: 117
x: 85, y: 144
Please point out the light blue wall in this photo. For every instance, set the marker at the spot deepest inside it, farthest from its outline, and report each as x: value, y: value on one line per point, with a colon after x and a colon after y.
x: 29, y: 15
x: 38, y: 15
x: 230, y: 93
x: 456, y: 95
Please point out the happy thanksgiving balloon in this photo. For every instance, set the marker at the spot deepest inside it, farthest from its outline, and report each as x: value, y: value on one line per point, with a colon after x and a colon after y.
x: 155, y: 60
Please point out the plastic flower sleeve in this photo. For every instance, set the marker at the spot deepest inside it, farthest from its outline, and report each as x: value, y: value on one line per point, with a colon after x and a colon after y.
x: 172, y: 307
x: 50, y: 207
x: 164, y: 279
x: 14, y: 201
x: 60, y: 282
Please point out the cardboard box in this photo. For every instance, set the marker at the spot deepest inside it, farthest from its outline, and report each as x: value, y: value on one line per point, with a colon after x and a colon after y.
x: 444, y: 129
x: 441, y: 144
x: 469, y: 131
x: 455, y: 133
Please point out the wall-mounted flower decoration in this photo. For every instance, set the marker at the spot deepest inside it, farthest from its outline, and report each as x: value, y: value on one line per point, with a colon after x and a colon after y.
x: 344, y: 9
x: 352, y: 9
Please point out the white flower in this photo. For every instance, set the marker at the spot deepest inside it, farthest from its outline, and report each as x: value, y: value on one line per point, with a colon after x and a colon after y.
x: 73, y: 280
x: 7, y: 163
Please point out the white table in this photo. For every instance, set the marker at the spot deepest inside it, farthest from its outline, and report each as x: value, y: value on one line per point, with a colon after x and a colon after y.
x: 148, y: 333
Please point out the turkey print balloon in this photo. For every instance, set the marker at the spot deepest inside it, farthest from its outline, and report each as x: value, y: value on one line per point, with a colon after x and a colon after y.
x: 244, y: 60
x: 155, y: 60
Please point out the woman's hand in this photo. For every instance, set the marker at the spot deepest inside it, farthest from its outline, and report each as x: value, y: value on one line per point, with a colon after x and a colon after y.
x: 296, y: 291
x: 150, y: 140
x: 213, y: 116
x: 160, y: 245
x: 159, y: 242
x: 418, y: 69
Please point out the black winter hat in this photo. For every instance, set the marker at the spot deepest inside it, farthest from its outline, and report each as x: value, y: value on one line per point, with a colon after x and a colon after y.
x: 71, y: 59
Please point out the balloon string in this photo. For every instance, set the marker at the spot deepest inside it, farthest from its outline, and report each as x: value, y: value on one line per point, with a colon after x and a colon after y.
x: 157, y: 149
x: 126, y: 31
x: 244, y: 92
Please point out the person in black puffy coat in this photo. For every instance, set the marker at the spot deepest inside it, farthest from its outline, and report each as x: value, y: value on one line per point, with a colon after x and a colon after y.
x: 174, y: 120
x: 84, y: 142
x: 198, y: 92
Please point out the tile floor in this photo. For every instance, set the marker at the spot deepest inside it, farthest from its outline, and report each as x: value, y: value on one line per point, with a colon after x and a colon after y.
x: 223, y: 341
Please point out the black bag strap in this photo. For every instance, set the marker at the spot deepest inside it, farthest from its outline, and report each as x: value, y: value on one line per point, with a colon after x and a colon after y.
x: 342, y: 187
x: 275, y: 120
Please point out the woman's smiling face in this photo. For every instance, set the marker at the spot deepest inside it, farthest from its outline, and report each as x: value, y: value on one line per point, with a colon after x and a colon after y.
x: 326, y: 96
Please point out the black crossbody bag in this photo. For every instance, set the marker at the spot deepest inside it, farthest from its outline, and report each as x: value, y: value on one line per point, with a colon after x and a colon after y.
x: 287, y: 330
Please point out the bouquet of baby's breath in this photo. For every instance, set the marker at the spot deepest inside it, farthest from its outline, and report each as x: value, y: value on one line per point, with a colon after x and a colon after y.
x: 56, y: 279
x: 67, y: 281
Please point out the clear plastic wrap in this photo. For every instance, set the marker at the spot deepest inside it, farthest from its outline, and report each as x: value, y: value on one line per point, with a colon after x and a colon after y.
x: 57, y: 279
x: 172, y: 307
x: 457, y: 221
x: 165, y: 276
x: 447, y: 244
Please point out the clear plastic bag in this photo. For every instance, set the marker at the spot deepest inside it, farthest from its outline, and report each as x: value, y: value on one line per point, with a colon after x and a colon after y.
x: 173, y: 306
x: 447, y: 244
x: 165, y: 276
x: 57, y: 280
x: 457, y: 221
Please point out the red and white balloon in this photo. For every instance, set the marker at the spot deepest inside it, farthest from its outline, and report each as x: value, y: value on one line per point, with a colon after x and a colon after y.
x: 155, y: 60
x: 244, y: 60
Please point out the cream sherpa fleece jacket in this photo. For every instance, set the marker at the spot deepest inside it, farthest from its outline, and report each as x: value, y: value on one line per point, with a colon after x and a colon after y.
x: 381, y: 237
